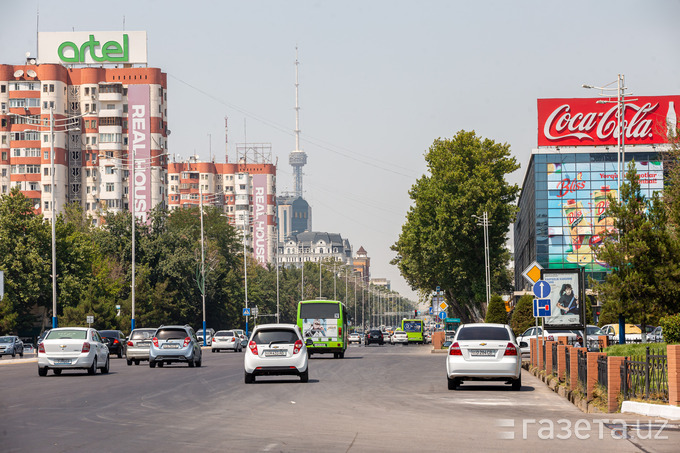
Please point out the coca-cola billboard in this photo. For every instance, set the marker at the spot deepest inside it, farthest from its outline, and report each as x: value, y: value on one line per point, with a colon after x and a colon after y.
x: 585, y: 122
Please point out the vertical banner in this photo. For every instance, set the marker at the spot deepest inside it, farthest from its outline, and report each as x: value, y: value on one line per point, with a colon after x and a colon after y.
x: 567, y: 298
x: 139, y: 146
x: 260, y: 236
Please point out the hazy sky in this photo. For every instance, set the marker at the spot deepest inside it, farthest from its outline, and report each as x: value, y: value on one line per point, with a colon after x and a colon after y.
x: 379, y: 82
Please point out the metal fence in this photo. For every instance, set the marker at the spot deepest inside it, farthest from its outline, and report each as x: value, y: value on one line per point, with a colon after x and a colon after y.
x: 543, y: 347
x: 645, y: 376
x: 582, y: 370
x: 602, y: 367
x: 567, y: 357
x: 554, y: 358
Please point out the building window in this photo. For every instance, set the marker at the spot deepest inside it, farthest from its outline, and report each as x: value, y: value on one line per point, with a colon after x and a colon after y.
x: 3, y: 88
x: 87, y: 91
x: 45, y: 88
x: 110, y: 187
x: 51, y: 88
x: 94, y: 124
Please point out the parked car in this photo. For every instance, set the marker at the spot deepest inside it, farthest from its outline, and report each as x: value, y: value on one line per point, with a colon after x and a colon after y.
x: 138, y: 345
x: 115, y: 340
x: 276, y: 349
x: 226, y: 339
x: 524, y: 340
x: 42, y: 336
x: 29, y: 348
x: 171, y: 344
x: 353, y: 338
x: 374, y: 336
x: 209, y: 332
x: 69, y: 348
x: 484, y: 352
x: 11, y: 345
x: 399, y: 336
x: 632, y: 333
x: 656, y: 335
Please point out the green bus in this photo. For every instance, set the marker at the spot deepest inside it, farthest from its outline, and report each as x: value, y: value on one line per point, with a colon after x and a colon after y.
x: 414, y: 330
x: 325, y: 323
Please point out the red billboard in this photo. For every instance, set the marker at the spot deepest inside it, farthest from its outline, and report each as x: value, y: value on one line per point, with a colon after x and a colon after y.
x: 587, y: 122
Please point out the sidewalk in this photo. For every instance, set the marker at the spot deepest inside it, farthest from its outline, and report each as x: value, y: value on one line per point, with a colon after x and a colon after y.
x: 28, y: 358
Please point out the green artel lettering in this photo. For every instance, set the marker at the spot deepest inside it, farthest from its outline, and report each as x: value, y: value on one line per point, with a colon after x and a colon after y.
x: 109, y: 50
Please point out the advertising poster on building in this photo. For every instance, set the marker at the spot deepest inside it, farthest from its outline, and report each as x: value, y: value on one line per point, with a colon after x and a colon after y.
x: 92, y: 47
x: 577, y: 207
x: 139, y: 146
x: 260, y: 218
x: 567, y: 296
x: 320, y: 328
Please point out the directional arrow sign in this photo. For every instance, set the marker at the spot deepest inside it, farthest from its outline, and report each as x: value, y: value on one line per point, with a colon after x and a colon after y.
x: 541, y: 289
x: 442, y: 315
x: 541, y: 308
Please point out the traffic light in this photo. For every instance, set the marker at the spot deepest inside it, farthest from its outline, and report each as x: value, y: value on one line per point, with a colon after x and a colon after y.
x: 415, y: 313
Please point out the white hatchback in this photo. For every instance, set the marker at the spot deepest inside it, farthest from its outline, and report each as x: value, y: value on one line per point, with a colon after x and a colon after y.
x: 274, y: 350
x: 484, y: 352
x: 69, y: 348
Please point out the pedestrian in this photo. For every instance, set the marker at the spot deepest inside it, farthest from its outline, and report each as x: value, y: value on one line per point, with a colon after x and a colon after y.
x: 579, y: 342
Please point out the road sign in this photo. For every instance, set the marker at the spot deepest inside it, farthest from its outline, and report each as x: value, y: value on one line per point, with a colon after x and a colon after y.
x: 255, y: 311
x: 532, y: 274
x: 90, y: 319
x: 443, y: 306
x: 541, y: 289
x: 430, y: 310
x: 246, y: 312
x: 541, y: 308
x: 442, y: 315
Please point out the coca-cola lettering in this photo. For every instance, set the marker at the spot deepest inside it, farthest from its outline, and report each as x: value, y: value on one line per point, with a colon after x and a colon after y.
x: 567, y: 186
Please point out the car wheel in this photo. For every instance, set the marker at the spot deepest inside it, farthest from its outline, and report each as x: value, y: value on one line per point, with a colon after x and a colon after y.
x: 56, y: 371
x: 120, y: 353
x: 152, y: 364
x: 517, y: 383
x: 341, y: 355
x: 21, y: 354
x: 249, y: 378
x: 14, y: 354
x: 129, y: 362
x: 136, y: 362
x: 453, y: 383
x: 212, y: 350
x: 191, y: 363
x: 42, y: 371
x: 105, y: 369
x: 160, y: 364
x: 199, y: 362
x: 93, y: 368
x: 304, y: 376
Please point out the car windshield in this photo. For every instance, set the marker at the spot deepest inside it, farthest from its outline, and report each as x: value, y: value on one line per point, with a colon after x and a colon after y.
x: 225, y: 333
x: 171, y: 334
x: 269, y: 336
x: 482, y: 333
x: 594, y: 331
x: 5, y: 339
x: 67, y: 335
x: 142, y: 334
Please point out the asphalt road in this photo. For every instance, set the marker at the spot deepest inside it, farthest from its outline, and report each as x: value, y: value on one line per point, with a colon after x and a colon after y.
x: 378, y: 398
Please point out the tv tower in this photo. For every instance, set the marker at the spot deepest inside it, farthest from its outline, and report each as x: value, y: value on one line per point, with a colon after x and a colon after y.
x: 297, y: 158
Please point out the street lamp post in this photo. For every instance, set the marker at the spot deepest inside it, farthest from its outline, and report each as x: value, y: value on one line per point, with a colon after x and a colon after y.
x: 200, y: 196
x: 54, y: 205
x: 487, y: 262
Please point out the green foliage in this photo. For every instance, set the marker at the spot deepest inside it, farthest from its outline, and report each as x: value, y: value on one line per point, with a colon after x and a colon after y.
x: 495, y: 312
x: 441, y: 243
x: 523, y: 314
x: 671, y: 328
x: 635, y: 350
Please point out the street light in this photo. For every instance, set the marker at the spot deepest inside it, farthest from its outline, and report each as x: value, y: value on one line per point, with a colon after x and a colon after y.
x: 487, y: 262
x: 621, y: 139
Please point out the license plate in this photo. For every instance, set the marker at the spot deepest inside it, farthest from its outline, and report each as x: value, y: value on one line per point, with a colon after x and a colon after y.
x: 320, y: 345
x: 483, y: 352
x: 170, y: 346
x: 144, y: 343
x: 270, y: 353
x: 62, y: 362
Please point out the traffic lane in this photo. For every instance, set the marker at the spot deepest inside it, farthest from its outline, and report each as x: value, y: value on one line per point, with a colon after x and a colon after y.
x: 376, y: 399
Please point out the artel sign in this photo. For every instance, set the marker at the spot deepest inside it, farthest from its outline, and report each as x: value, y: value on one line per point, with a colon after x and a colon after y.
x: 585, y: 122
x: 92, y: 47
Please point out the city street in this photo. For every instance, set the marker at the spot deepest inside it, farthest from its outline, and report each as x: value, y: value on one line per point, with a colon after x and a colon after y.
x: 379, y: 398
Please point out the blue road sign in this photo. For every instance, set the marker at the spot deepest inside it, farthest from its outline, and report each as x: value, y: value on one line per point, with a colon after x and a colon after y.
x: 541, y: 308
x: 246, y: 312
x: 442, y: 315
x: 542, y: 289
x: 430, y: 310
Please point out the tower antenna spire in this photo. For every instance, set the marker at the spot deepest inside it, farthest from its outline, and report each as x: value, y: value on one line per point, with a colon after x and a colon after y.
x: 297, y: 158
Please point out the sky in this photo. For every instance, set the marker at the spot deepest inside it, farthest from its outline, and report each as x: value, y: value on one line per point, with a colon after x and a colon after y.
x: 379, y: 81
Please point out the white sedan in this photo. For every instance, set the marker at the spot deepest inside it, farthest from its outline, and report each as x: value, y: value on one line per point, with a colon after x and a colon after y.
x: 399, y: 336
x: 69, y: 348
x: 226, y: 339
x: 484, y: 352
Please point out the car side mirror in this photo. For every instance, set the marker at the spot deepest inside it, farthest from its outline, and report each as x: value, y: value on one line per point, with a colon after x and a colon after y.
x: 309, y: 342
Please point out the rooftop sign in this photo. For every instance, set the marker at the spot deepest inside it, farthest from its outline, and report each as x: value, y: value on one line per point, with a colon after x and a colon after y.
x: 87, y: 48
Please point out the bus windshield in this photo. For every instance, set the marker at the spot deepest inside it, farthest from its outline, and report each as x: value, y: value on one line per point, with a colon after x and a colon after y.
x: 320, y: 311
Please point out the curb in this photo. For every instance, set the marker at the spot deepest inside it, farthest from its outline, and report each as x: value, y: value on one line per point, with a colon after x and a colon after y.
x: 651, y: 410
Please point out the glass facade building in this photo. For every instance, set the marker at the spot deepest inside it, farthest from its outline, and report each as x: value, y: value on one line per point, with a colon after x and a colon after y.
x: 563, y: 206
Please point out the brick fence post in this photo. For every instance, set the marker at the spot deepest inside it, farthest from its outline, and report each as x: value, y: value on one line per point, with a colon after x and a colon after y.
x: 562, y: 362
x: 673, y: 354
x: 534, y: 354
x: 614, y: 382
x: 603, y: 340
x: 592, y: 373
x: 562, y: 340
x: 540, y: 353
x: 549, y: 357
x: 573, y: 367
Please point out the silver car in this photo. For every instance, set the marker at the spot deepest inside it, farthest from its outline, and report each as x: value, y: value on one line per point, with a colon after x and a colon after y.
x: 138, y: 345
x: 226, y: 339
x: 172, y: 344
x: 484, y: 352
x: 11, y: 345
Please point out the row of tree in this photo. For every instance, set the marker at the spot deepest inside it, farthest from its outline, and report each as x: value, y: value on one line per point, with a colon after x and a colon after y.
x: 94, y: 273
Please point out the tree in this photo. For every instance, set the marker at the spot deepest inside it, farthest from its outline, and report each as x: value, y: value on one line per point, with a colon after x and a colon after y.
x: 495, y: 312
x: 523, y: 314
x: 441, y: 244
x: 643, y: 256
